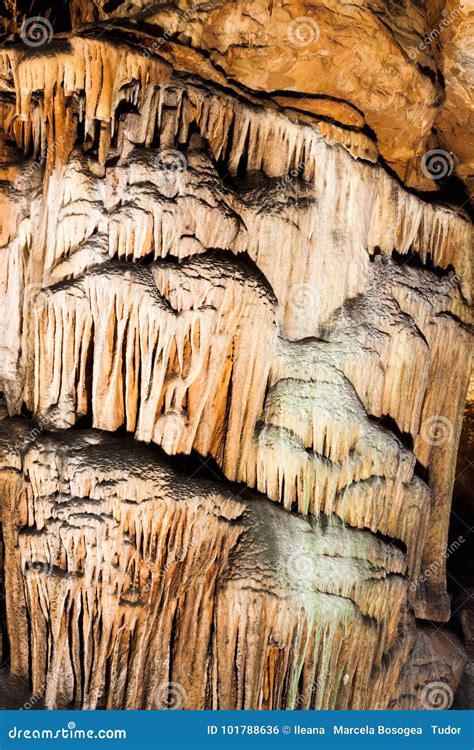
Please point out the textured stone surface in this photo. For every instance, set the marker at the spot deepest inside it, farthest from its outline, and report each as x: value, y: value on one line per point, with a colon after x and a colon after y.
x: 455, y: 121
x: 122, y: 558
x: 206, y: 247
x: 397, y: 76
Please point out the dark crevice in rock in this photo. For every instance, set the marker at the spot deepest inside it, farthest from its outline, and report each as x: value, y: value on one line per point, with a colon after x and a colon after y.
x: 387, y: 422
x: 413, y: 259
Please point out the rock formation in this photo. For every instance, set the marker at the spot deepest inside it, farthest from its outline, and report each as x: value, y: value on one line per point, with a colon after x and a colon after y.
x: 235, y: 288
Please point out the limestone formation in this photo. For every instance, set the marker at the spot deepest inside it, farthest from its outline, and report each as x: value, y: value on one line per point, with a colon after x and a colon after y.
x: 235, y: 304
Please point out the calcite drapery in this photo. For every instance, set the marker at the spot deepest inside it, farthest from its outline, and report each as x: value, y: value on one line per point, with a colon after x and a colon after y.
x: 217, y: 274
x: 91, y: 519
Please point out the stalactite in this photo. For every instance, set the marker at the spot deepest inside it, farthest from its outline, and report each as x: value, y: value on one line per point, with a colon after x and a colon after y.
x: 170, y: 351
x: 229, y: 282
x: 148, y: 544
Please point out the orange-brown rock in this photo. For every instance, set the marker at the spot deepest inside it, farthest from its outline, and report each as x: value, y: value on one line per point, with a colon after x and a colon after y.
x: 455, y: 121
x: 381, y: 62
x: 212, y: 265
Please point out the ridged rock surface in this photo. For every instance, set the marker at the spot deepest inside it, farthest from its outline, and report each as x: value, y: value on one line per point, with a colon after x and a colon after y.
x: 137, y: 579
x: 393, y: 77
x: 211, y: 264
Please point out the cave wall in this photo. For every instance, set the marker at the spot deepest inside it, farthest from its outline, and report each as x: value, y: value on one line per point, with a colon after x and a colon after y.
x: 235, y: 287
